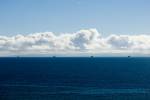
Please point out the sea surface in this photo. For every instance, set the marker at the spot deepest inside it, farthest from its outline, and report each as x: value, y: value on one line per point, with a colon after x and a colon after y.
x: 75, y: 78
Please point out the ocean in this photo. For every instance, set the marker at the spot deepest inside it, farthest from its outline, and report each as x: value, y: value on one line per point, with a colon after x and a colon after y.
x: 75, y: 78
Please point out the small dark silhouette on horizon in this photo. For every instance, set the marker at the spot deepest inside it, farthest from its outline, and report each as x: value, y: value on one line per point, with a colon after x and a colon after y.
x: 92, y: 56
x: 54, y: 56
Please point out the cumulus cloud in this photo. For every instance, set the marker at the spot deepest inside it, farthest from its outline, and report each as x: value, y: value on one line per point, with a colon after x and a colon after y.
x: 81, y: 42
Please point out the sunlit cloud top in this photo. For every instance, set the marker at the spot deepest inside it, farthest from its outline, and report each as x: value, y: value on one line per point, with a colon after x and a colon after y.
x: 88, y: 41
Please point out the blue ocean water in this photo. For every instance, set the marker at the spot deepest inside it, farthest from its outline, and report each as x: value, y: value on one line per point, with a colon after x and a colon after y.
x: 75, y: 78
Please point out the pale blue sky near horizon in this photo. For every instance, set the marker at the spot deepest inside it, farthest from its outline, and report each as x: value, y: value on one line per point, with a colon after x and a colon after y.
x: 107, y: 16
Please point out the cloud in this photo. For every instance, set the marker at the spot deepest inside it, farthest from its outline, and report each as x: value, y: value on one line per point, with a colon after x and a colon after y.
x: 81, y: 42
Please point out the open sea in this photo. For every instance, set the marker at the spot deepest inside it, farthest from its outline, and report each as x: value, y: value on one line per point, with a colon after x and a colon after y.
x: 75, y: 78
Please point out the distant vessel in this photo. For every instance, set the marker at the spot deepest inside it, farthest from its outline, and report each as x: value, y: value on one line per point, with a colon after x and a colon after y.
x: 18, y: 56
x: 92, y: 56
x: 129, y: 56
x: 54, y: 56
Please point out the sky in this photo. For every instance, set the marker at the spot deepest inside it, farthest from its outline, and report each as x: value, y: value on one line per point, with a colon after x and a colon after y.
x: 60, y: 27
x: 59, y: 16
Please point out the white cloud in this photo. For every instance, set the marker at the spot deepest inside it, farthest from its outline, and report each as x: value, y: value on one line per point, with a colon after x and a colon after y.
x: 82, y: 42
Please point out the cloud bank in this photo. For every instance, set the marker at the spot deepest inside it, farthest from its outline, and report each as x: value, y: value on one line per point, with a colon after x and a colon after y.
x: 81, y: 42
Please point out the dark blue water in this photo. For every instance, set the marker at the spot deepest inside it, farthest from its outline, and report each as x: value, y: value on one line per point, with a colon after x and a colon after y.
x: 75, y: 78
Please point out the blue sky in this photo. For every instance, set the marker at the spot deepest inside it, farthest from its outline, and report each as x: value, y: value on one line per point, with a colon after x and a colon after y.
x: 74, y: 27
x: 107, y: 16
